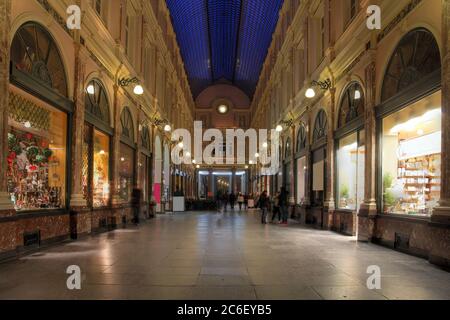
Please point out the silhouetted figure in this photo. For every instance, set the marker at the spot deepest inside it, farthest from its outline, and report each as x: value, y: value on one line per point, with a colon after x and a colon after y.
x: 283, y: 202
x: 263, y: 204
x: 276, y: 207
x: 240, y: 200
x: 136, y: 204
x: 232, y: 200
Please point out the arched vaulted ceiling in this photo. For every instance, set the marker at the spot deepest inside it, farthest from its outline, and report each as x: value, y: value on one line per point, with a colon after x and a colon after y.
x: 224, y: 39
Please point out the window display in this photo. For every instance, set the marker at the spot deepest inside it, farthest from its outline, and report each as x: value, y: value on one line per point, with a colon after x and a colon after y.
x: 143, y: 176
x: 350, y: 171
x: 126, y: 172
x: 411, y: 175
x: 100, y: 177
x: 36, y: 174
x: 301, y: 170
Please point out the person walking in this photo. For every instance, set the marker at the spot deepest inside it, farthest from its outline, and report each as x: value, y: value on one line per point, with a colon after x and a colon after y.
x: 263, y: 204
x: 136, y: 204
x: 283, y: 203
x: 240, y: 200
x: 246, y: 201
x: 276, y: 207
x: 226, y: 197
x: 232, y: 200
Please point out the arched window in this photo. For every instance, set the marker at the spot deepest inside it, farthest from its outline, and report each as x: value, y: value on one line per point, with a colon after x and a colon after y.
x: 126, y: 122
x: 287, y: 150
x: 145, y: 137
x: 352, y: 104
x: 417, y: 55
x: 301, y: 138
x: 320, y: 126
x: 96, y: 101
x: 34, y: 52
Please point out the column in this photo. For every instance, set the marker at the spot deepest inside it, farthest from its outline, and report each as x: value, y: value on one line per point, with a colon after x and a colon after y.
x: 291, y: 169
x: 210, y: 184
x: 368, y: 210
x: 76, y: 199
x: 441, y: 214
x: 115, y: 161
x: 329, y: 204
x: 6, y: 207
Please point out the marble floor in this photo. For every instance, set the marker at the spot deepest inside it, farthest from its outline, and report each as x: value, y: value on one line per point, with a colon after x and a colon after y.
x: 230, y: 256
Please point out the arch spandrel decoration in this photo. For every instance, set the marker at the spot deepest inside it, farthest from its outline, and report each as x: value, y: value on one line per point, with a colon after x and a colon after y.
x: 34, y: 52
x: 96, y: 101
x: 320, y: 126
x: 126, y: 123
x: 352, y: 104
x: 301, y: 139
x: 416, y: 56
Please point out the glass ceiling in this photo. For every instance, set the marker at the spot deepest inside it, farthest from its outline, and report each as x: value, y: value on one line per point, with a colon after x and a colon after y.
x: 224, y: 39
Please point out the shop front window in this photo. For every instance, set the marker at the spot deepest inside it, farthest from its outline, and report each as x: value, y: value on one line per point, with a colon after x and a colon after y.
x: 126, y: 172
x: 350, y: 171
x: 411, y: 166
x: 101, y: 170
x: 301, y: 170
x: 143, y: 176
x: 36, y: 161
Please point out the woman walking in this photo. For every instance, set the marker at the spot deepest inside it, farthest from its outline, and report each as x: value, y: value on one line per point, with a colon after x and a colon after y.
x: 240, y: 200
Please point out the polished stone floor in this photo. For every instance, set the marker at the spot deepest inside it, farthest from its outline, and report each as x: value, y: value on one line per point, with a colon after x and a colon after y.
x: 220, y: 256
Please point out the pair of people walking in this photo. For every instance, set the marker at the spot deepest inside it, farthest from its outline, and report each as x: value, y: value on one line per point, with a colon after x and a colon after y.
x: 280, y: 206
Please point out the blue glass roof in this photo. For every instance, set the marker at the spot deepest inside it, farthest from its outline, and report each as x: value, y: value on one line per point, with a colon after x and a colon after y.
x: 224, y: 39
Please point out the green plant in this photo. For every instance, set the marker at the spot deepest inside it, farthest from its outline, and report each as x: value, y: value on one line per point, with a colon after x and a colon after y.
x: 344, y: 191
x: 388, y: 196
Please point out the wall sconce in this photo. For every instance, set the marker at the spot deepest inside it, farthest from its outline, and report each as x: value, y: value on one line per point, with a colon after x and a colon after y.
x: 125, y: 82
x: 159, y: 122
x: 324, y: 85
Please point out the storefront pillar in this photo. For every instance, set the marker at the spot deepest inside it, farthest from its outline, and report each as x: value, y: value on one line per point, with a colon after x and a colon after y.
x: 77, y: 200
x: 368, y: 210
x: 329, y: 203
x: 441, y: 214
x: 115, y: 181
x: 6, y: 207
x: 291, y: 172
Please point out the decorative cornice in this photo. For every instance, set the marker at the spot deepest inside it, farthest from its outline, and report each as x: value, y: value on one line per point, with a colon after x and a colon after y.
x: 398, y: 18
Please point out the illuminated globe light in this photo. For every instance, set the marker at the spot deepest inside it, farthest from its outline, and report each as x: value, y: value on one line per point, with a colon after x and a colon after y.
x: 197, y: 166
x: 138, y: 90
x: 90, y: 89
x: 310, y: 93
x: 194, y: 161
x: 265, y: 145
x: 250, y: 162
x: 181, y: 145
x: 357, y: 94
x: 222, y: 109
x: 122, y: 159
x: 188, y: 154
x: 102, y: 152
x: 167, y: 128
x: 246, y: 167
x: 257, y: 155
x: 27, y: 124
x: 279, y: 128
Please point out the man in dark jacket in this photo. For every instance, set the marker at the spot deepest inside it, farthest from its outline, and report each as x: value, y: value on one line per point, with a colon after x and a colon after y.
x: 263, y: 203
x: 283, y: 203
x: 136, y: 202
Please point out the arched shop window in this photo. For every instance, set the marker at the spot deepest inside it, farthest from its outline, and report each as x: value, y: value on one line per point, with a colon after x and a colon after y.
x: 416, y: 56
x: 319, y: 158
x: 34, y: 52
x: 410, y: 179
x: 96, y: 146
x: 127, y: 153
x: 350, y: 153
x: 320, y: 126
x: 96, y: 101
x: 300, y: 165
x: 37, y: 137
x: 145, y: 163
x: 352, y: 104
x: 301, y: 139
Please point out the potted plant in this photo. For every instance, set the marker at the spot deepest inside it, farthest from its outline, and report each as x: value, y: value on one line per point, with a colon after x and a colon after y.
x: 344, y: 193
x: 388, y: 196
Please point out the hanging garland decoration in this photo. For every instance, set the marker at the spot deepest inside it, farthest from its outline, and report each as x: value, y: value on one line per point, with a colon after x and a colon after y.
x: 35, y: 153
